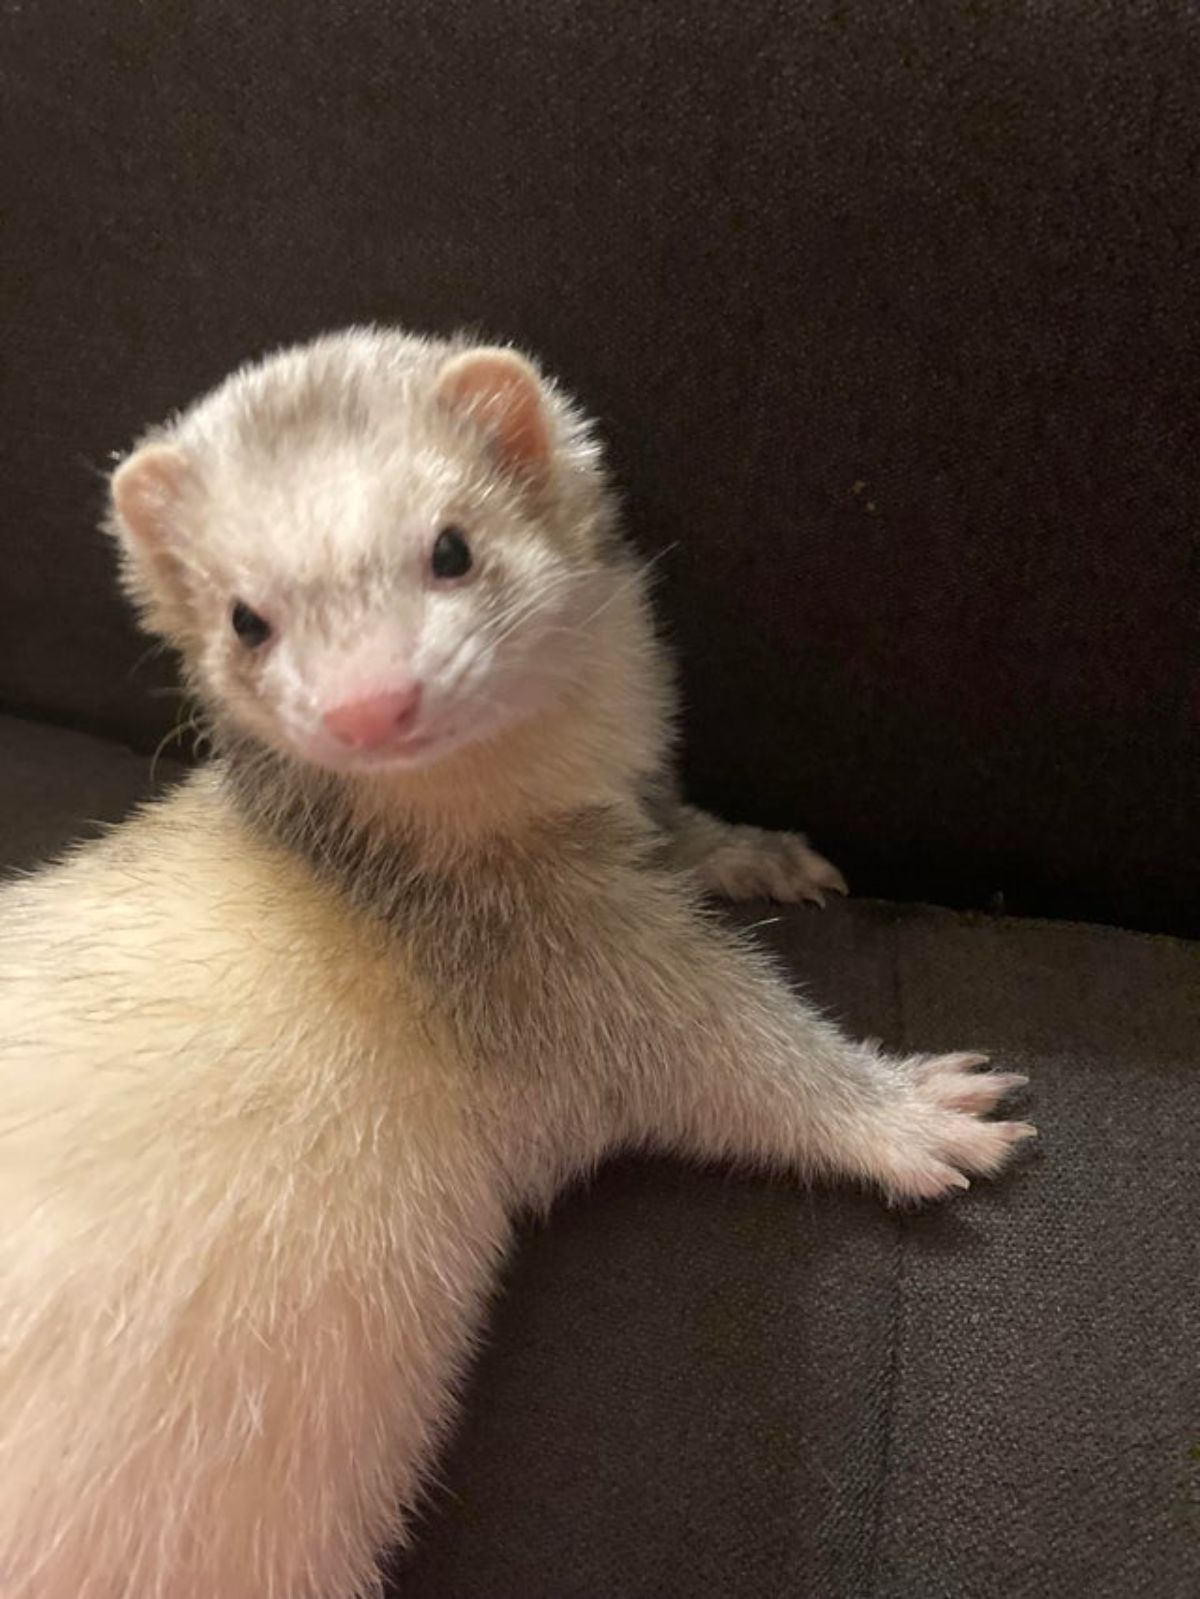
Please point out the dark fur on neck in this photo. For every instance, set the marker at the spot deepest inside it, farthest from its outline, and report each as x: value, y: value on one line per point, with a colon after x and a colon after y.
x: 491, y: 930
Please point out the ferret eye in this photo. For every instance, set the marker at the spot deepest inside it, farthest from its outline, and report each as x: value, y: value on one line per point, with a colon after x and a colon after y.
x: 451, y: 554
x: 249, y: 626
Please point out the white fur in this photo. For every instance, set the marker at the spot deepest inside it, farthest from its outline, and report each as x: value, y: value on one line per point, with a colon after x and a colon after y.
x: 741, y: 863
x: 247, y: 1225
x: 264, y: 1124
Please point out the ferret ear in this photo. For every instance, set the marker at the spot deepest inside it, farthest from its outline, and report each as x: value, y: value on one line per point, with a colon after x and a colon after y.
x: 147, y: 489
x: 501, y: 390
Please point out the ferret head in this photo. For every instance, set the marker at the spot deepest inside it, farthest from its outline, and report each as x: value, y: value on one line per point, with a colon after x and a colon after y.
x: 373, y: 550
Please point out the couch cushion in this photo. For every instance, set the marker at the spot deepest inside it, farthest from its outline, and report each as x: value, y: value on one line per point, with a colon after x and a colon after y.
x: 57, y: 786
x: 700, y: 1383
x: 697, y: 1382
x: 889, y: 310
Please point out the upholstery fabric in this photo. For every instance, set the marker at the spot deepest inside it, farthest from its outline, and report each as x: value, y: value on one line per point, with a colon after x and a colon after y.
x: 699, y: 1383
x: 888, y: 312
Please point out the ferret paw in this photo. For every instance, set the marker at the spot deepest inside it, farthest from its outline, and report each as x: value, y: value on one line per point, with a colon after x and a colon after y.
x: 941, y: 1136
x: 754, y: 863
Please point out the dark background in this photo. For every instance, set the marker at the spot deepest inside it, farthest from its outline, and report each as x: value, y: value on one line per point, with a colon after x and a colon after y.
x: 889, y: 313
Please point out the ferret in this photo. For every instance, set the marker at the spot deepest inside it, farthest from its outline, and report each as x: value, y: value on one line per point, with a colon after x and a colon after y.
x: 283, y: 1056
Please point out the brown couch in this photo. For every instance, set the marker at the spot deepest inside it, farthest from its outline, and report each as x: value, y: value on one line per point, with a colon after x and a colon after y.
x: 890, y: 313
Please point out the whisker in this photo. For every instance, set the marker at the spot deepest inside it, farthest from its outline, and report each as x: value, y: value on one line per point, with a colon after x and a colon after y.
x: 189, y: 724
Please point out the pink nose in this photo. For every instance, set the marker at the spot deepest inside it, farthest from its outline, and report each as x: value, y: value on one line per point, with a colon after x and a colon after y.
x: 369, y: 724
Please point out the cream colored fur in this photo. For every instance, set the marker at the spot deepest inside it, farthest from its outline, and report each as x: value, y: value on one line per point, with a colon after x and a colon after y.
x: 282, y: 1057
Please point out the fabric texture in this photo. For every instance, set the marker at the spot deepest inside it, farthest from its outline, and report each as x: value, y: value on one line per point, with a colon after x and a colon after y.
x: 888, y: 312
x: 699, y: 1382
x: 58, y: 787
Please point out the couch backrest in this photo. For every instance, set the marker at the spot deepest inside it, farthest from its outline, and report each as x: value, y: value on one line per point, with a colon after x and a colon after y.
x: 890, y: 312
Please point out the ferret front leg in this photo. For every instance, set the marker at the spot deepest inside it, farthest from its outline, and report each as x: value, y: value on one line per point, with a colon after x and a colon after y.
x: 741, y: 863
x: 749, y: 1072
